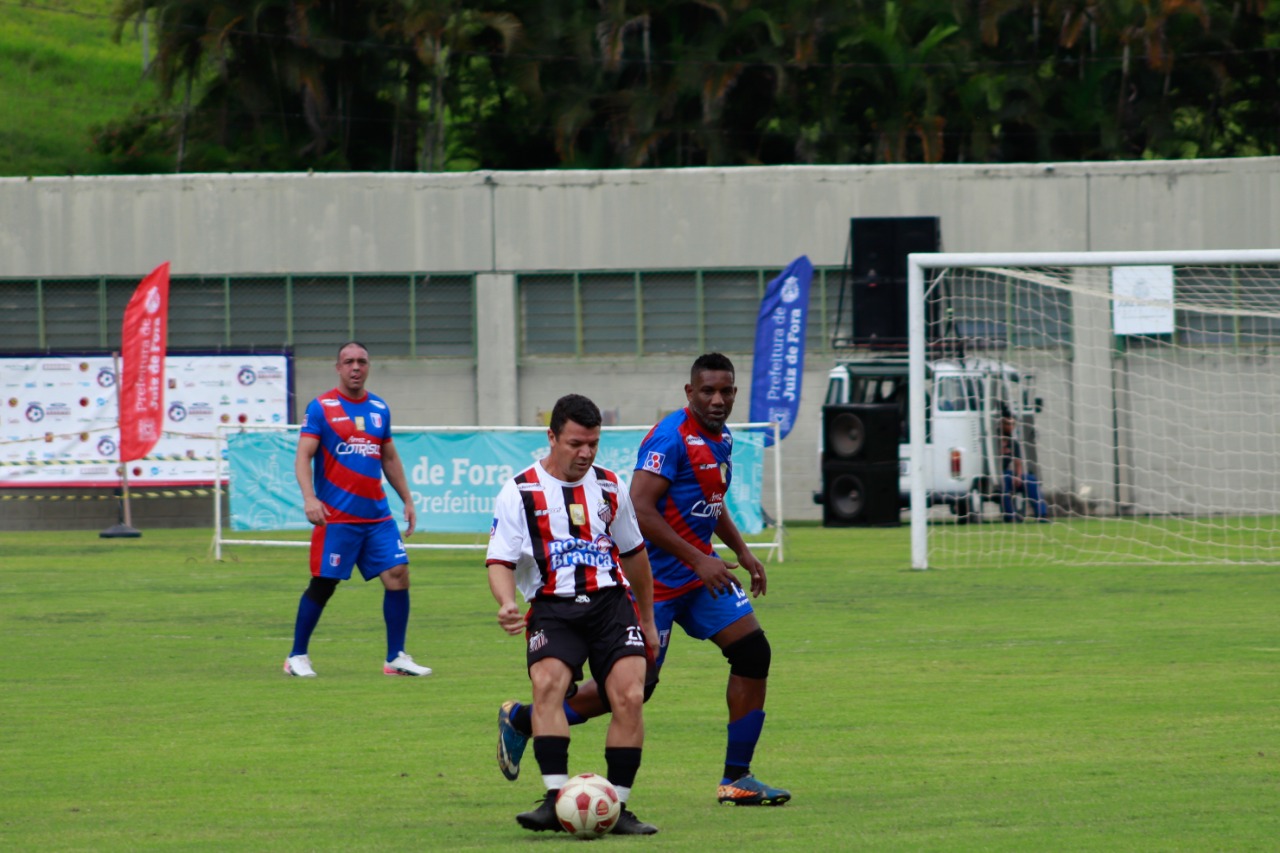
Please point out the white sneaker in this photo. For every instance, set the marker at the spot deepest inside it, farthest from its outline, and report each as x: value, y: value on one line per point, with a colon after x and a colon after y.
x: 404, y: 665
x: 299, y: 665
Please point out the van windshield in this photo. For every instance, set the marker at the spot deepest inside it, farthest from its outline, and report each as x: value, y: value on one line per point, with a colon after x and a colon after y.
x: 955, y: 394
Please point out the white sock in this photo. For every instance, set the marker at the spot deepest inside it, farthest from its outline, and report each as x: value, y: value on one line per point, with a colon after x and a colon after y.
x: 556, y: 782
x: 624, y: 794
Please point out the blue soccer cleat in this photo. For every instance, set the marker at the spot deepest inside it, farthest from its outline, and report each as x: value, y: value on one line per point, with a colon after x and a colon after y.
x: 511, y: 743
x: 750, y: 791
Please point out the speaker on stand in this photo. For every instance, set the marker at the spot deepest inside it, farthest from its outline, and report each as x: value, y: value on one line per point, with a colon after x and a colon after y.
x: 860, y: 464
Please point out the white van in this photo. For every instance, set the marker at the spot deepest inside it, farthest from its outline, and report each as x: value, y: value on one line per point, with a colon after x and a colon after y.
x: 965, y: 399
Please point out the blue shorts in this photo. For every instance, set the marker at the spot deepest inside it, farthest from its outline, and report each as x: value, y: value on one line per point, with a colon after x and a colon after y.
x: 374, y: 547
x: 699, y: 613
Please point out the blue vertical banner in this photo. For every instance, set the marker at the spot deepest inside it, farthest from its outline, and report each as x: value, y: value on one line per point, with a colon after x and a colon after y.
x: 779, y: 356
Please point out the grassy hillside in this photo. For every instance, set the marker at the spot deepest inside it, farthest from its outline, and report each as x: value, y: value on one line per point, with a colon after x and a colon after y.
x: 61, y: 75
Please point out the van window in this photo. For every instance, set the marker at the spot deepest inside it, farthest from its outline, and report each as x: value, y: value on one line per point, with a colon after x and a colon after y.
x: 952, y: 395
x: 835, y: 392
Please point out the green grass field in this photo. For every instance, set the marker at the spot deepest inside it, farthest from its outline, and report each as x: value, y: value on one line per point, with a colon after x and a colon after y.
x: 62, y: 75
x: 980, y: 709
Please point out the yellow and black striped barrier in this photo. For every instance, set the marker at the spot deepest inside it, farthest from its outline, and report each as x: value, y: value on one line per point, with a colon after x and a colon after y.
x: 164, y: 493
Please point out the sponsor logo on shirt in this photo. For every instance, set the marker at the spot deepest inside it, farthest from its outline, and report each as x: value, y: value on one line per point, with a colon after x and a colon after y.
x: 529, y: 487
x: 567, y: 553
x: 608, y: 486
x: 695, y: 440
x: 358, y: 447
x: 577, y: 513
x: 360, y: 422
x: 493, y: 528
x: 330, y: 402
x: 702, y: 509
x: 653, y: 461
x: 378, y: 403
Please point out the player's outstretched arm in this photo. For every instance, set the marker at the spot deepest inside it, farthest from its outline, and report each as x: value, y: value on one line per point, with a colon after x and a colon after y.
x: 731, y: 536
x: 647, y: 489
x: 311, y: 505
x: 502, y: 583
x: 393, y: 468
x: 640, y: 575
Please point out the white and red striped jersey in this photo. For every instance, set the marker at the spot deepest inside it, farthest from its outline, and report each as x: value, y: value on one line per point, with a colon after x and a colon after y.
x: 563, y: 539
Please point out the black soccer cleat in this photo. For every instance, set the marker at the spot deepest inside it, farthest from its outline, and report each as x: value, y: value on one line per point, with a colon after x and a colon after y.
x: 542, y: 818
x: 629, y: 824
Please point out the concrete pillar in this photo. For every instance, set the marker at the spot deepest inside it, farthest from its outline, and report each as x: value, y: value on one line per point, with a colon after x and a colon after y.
x: 497, y: 333
x: 1093, y: 438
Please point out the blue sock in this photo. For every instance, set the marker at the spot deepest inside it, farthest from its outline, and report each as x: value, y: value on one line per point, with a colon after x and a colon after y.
x: 575, y: 719
x: 744, y: 733
x: 395, y: 609
x: 308, y: 617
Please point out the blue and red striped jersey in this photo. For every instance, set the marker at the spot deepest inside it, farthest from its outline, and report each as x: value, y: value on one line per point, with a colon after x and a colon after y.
x: 348, y: 464
x: 699, y: 468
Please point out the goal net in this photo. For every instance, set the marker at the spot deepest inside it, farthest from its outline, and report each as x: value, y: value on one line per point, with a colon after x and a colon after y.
x: 1094, y: 408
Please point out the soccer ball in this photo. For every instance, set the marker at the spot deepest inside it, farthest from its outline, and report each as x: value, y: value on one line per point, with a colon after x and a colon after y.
x: 588, y: 806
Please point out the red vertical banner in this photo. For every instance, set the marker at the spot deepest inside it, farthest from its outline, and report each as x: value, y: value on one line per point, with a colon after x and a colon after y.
x: 144, y: 341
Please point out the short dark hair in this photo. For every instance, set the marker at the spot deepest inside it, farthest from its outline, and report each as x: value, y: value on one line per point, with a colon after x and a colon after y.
x: 711, y: 361
x: 576, y: 408
x: 349, y: 344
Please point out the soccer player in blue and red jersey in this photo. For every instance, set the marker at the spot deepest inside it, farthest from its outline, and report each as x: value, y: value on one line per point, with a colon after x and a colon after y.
x: 682, y: 476
x: 344, y: 450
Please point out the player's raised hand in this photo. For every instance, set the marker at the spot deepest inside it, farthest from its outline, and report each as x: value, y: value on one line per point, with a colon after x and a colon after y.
x: 315, y: 511
x: 510, y: 619
x: 755, y: 568
x: 714, y: 572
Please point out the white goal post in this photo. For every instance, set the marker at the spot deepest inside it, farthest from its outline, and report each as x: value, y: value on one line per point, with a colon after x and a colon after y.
x: 462, y: 488
x: 1141, y: 391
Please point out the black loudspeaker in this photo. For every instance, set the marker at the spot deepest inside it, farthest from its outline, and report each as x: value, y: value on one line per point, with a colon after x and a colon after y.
x: 860, y: 495
x: 878, y: 272
x: 861, y: 432
x: 860, y: 464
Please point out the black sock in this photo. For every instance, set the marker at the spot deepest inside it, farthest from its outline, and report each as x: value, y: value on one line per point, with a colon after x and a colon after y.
x: 522, y: 720
x: 552, y: 754
x: 623, y: 762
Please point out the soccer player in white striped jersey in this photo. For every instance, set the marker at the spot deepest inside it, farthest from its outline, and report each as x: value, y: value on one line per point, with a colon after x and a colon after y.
x: 565, y: 534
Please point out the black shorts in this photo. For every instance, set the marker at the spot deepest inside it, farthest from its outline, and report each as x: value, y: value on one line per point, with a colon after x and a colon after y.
x: 599, y: 631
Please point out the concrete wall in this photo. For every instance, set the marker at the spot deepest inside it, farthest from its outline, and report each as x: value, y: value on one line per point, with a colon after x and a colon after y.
x: 500, y: 224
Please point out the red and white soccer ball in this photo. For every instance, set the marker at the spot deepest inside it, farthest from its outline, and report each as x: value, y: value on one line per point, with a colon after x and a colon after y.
x: 588, y: 806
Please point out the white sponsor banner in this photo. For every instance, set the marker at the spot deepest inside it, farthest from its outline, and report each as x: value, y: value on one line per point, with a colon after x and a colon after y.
x: 58, y: 417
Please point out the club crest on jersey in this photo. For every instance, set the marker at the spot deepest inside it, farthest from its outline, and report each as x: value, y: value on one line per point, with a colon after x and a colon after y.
x: 605, y: 512
x: 360, y: 422
x: 377, y: 420
x: 653, y: 461
x: 577, y: 513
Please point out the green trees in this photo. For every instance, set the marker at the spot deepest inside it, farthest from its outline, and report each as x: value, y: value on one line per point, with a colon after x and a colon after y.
x: 443, y: 84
